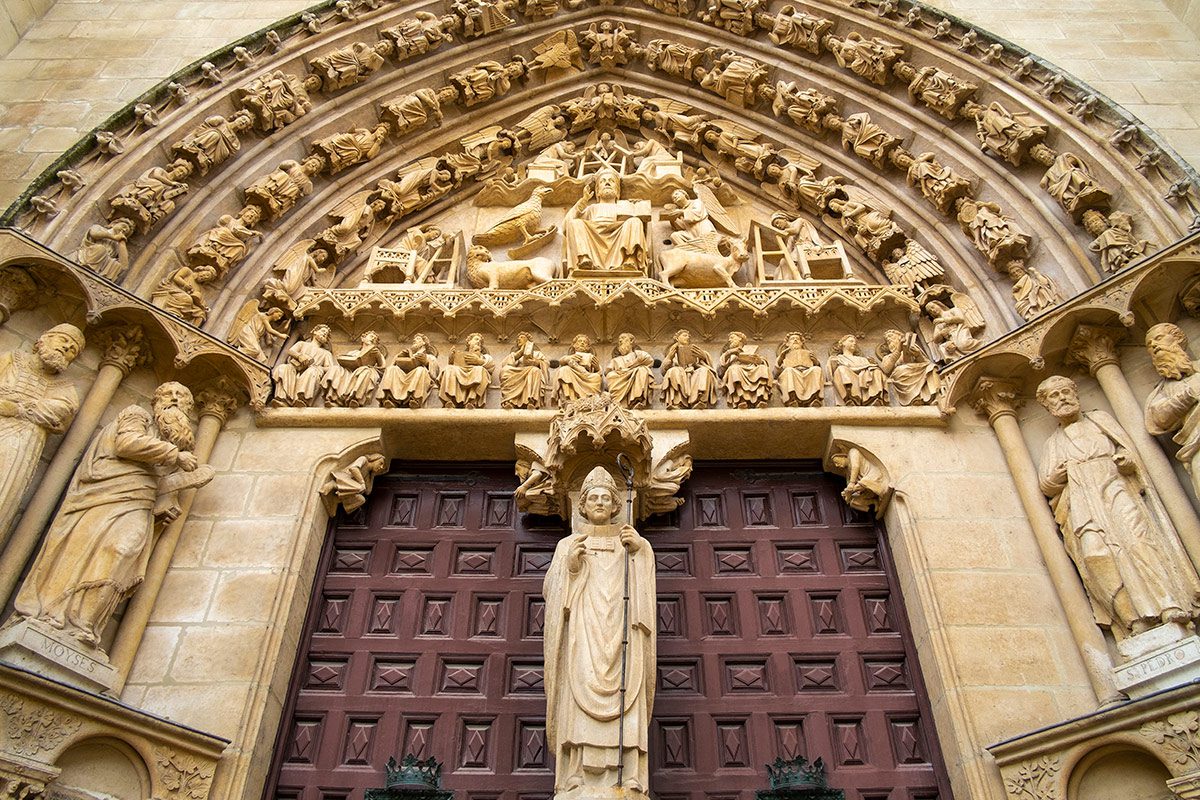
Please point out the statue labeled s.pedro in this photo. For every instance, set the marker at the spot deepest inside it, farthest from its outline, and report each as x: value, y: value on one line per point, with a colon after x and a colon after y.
x: 600, y: 649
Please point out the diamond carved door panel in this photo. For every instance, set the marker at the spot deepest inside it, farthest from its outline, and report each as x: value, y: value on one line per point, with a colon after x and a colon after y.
x: 780, y: 634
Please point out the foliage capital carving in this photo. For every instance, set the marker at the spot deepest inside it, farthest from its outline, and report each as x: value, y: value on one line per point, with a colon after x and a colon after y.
x: 1094, y: 346
x: 124, y: 346
x: 994, y: 397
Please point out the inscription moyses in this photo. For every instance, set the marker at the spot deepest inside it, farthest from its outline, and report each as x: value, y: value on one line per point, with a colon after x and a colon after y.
x: 63, y: 654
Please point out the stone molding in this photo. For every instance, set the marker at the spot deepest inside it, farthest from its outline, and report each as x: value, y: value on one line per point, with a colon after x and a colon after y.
x: 196, y: 356
x: 1038, y: 765
x: 40, y: 719
x: 1145, y: 294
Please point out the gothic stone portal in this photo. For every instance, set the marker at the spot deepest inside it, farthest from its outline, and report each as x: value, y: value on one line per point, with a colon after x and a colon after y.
x: 780, y: 632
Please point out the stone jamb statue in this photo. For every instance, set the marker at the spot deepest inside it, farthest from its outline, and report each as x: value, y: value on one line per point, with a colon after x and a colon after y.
x: 586, y: 724
x: 1112, y: 522
x: 97, y: 548
x: 34, y: 402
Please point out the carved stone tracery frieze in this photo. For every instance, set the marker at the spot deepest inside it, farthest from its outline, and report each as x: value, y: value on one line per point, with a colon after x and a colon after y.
x: 727, y: 73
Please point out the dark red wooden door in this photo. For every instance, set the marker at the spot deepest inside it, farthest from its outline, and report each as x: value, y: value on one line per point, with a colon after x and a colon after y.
x: 779, y: 634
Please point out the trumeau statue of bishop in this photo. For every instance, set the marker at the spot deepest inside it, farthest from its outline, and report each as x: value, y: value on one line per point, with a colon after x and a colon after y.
x: 584, y: 593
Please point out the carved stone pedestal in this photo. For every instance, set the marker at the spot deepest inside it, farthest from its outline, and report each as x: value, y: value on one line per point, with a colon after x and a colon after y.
x: 599, y: 793
x: 1160, y: 658
x: 38, y: 648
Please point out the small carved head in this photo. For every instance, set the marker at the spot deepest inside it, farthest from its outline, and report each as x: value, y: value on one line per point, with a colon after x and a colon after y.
x: 598, y: 497
x: 320, y: 334
x: 475, y: 342
x: 1167, y: 345
x: 794, y: 340
x: 172, y: 413
x: 625, y: 344
x: 848, y: 343
x: 1059, y: 395
x: 683, y: 336
x: 736, y: 339
x: 58, y: 347
x: 582, y: 343
x: 608, y: 185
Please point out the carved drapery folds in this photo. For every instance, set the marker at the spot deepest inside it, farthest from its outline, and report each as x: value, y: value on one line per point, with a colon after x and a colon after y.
x: 593, y: 431
x: 349, y: 486
x: 96, y: 550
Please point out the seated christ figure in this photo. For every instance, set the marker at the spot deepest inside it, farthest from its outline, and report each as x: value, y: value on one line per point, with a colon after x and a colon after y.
x: 604, y: 232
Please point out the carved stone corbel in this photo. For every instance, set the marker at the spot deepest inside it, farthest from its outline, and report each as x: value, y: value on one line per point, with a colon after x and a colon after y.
x: 349, y: 486
x: 593, y: 431
x: 868, y: 485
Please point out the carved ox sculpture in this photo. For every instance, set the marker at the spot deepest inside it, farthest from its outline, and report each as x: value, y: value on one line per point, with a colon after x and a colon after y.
x: 703, y: 264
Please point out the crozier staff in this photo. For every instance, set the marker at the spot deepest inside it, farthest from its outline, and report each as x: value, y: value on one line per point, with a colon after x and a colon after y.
x: 584, y: 592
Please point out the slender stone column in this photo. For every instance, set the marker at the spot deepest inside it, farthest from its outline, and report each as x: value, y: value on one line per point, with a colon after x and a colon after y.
x: 215, y: 404
x: 997, y: 399
x: 124, y: 349
x: 1095, y: 348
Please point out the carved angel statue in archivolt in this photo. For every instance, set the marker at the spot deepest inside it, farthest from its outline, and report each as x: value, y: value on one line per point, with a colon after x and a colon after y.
x: 951, y: 322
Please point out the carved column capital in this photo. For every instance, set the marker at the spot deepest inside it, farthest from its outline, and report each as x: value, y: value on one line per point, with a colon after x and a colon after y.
x: 17, y: 292
x: 1094, y: 346
x: 219, y: 399
x: 125, y: 347
x: 994, y: 397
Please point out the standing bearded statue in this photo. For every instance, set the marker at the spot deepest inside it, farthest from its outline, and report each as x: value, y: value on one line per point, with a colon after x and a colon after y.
x: 584, y: 592
x: 1132, y: 565
x: 1172, y: 406
x: 34, y: 402
x: 97, y: 548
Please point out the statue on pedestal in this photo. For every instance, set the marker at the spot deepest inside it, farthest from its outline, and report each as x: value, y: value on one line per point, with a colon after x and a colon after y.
x: 1113, y: 525
x: 604, y: 232
x: 34, y: 402
x: 600, y: 744
x: 298, y: 379
x: 1172, y: 405
x: 97, y: 548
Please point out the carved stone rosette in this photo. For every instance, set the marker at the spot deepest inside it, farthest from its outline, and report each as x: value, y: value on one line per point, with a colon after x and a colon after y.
x: 594, y: 431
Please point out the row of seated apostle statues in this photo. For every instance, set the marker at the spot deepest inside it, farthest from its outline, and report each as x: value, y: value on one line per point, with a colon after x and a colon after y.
x: 690, y: 377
